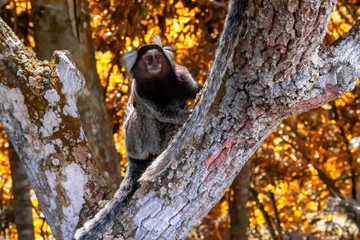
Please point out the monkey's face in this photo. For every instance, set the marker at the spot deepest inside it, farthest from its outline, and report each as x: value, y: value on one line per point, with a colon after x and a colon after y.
x: 153, y: 61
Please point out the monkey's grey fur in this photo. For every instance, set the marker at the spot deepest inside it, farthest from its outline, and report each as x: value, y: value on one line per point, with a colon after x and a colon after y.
x: 146, y: 125
x: 224, y: 55
x: 154, y: 110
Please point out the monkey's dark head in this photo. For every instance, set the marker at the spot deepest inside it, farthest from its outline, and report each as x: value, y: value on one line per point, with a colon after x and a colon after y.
x: 151, y: 61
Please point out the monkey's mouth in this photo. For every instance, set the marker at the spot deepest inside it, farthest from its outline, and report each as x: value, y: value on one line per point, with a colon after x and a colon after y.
x: 154, y: 69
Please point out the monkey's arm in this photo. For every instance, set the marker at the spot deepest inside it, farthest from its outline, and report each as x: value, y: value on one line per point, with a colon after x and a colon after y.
x: 184, y: 77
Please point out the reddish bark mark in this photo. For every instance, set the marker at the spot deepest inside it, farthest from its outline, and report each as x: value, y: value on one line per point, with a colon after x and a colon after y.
x: 273, y: 114
x: 228, y: 143
x: 329, y: 88
x: 210, y: 158
x: 214, y: 161
x: 258, y: 111
x: 331, y: 91
x: 242, y: 61
x: 219, y: 160
x: 195, y: 212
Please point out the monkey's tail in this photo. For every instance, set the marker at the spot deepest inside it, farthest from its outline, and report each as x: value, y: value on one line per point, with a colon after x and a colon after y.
x: 115, y: 206
x: 224, y: 55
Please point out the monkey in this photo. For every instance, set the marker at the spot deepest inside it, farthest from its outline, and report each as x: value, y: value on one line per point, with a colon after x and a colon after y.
x: 158, y: 97
x: 155, y: 110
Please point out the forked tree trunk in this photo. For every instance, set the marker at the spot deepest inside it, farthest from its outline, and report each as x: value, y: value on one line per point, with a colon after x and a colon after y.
x: 65, y: 25
x: 38, y: 111
x: 268, y: 67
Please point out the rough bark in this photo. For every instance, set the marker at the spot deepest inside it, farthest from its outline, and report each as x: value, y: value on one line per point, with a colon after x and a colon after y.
x: 270, y: 75
x: 22, y: 201
x: 273, y: 75
x: 65, y: 25
x: 38, y: 111
x: 238, y: 205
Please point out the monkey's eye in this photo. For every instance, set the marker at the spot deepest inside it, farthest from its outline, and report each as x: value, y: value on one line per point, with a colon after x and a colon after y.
x: 147, y: 57
x: 158, y: 55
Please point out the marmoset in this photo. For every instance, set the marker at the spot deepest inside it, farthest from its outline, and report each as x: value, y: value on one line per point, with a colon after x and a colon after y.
x: 155, y: 109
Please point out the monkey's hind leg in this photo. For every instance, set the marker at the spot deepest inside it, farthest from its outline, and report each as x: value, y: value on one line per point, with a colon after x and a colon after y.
x: 133, y: 172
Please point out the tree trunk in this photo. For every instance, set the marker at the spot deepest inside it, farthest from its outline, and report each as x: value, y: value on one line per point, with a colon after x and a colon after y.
x: 22, y: 201
x: 238, y: 205
x: 60, y: 25
x: 38, y: 111
x: 261, y: 74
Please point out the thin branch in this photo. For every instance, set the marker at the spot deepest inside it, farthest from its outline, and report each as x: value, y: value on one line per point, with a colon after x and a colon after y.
x: 265, y: 214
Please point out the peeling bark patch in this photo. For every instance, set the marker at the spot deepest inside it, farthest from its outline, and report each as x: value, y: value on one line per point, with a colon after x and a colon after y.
x: 52, y: 97
x: 51, y: 122
x: 233, y: 151
x: 72, y: 80
x: 331, y: 91
x: 270, y: 42
x: 74, y: 185
x: 220, y: 157
x: 228, y: 174
x: 13, y: 98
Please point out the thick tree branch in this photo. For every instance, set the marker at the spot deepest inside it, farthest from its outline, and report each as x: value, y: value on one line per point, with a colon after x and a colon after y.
x: 38, y: 111
x: 270, y: 76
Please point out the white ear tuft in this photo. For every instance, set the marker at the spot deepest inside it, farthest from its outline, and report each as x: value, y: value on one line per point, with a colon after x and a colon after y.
x: 129, y: 59
x: 168, y: 51
x: 169, y: 54
x: 157, y: 40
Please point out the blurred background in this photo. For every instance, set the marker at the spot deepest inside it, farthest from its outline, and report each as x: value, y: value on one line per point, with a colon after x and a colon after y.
x: 302, y: 182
